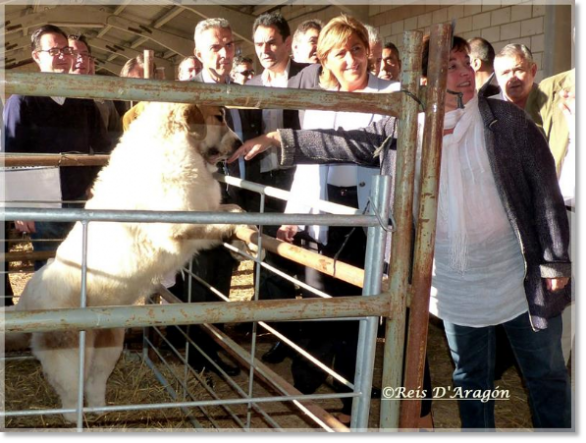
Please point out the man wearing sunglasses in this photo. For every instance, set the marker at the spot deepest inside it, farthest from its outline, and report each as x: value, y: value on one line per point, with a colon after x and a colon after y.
x: 55, y: 125
x: 242, y: 70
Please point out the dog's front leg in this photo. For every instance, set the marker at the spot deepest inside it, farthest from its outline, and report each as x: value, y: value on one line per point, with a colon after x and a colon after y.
x: 220, y: 232
x: 242, y: 245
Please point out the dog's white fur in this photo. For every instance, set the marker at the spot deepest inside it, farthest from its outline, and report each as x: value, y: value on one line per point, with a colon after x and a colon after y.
x: 163, y: 163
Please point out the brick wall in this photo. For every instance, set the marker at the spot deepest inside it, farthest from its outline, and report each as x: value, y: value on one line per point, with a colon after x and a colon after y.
x: 500, y: 25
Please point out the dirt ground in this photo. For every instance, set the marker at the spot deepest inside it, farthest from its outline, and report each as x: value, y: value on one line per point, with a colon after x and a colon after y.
x: 143, y: 388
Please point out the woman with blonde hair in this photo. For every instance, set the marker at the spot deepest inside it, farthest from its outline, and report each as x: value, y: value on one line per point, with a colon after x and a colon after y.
x: 343, y: 53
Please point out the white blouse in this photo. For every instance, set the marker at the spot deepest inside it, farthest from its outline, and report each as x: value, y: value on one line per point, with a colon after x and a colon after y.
x: 478, y: 269
x: 310, y: 181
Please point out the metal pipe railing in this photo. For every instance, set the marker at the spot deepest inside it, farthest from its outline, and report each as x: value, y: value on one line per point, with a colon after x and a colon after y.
x: 65, y: 160
x: 237, y: 218
x: 373, y: 273
x: 189, y: 314
x: 426, y: 222
x: 400, y: 263
x: 233, y: 95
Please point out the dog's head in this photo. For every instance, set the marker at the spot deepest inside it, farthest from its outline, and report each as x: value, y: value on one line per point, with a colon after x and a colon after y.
x: 207, y: 124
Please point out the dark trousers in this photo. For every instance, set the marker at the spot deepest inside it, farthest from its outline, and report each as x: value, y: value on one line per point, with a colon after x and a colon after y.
x: 272, y: 286
x: 214, y: 266
x: 48, y: 237
x: 46, y: 231
x: 8, y: 293
x: 334, y: 342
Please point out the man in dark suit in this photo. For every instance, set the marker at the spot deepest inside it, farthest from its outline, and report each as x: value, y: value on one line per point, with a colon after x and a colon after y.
x: 482, y: 60
x: 272, y: 42
x: 214, y: 47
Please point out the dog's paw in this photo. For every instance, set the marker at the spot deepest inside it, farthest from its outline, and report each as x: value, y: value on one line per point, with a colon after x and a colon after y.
x: 248, y: 247
x: 70, y: 417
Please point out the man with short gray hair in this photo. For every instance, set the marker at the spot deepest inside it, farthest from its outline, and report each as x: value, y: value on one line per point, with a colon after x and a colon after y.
x: 215, y: 49
x: 515, y: 71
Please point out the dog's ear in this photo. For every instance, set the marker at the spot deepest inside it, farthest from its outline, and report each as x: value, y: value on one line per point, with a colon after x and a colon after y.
x: 195, y: 122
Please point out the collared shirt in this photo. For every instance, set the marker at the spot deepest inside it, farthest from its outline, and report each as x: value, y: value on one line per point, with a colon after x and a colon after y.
x: 59, y: 100
x: 273, y: 118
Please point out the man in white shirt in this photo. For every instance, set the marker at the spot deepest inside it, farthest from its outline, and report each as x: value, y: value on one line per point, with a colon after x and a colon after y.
x: 272, y: 42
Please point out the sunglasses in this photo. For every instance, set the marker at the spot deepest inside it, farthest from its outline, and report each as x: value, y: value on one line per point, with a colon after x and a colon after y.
x: 247, y: 73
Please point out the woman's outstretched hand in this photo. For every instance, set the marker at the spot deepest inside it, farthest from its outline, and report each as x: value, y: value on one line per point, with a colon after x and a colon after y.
x: 251, y: 148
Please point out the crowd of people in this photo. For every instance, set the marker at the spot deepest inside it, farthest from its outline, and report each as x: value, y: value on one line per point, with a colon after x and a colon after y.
x: 501, y: 276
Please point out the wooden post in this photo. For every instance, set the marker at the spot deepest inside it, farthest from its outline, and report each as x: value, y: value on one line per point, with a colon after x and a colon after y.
x: 439, y: 52
x: 149, y: 64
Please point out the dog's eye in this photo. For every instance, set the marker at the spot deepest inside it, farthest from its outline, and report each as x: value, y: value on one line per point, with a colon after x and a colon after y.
x: 220, y: 118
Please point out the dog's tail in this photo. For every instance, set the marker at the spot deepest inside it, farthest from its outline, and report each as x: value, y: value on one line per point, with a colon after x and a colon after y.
x: 14, y: 341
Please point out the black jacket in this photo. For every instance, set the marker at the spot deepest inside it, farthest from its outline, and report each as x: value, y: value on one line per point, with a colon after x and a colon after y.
x: 251, y: 121
x: 290, y: 117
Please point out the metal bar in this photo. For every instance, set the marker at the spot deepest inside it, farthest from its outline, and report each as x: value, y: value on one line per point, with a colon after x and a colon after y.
x: 267, y: 375
x: 183, y: 383
x: 195, y: 313
x: 26, y: 255
x: 264, y: 325
x: 400, y: 262
x: 195, y: 217
x: 132, y: 89
x: 322, y: 205
x: 210, y: 390
x: 64, y: 159
x: 164, y: 382
x: 82, y: 334
x: 165, y: 293
x: 329, y: 266
x: 440, y: 45
x: 219, y: 402
x: 375, y: 254
x: 171, y: 298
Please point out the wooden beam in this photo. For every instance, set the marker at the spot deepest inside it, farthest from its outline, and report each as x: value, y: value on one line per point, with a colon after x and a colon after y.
x: 70, y: 16
x: 117, y: 11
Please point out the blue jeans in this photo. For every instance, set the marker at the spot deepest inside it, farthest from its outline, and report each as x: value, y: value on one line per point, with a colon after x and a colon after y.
x: 540, y: 359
